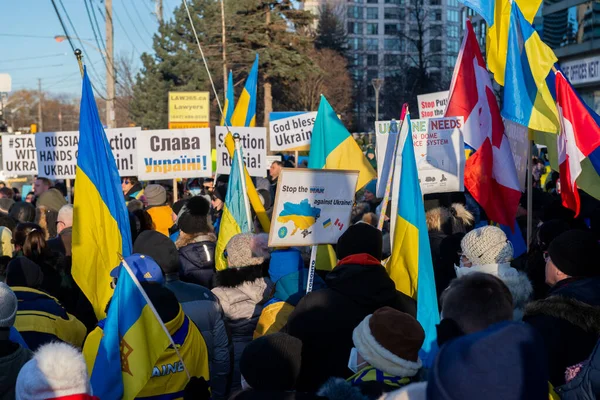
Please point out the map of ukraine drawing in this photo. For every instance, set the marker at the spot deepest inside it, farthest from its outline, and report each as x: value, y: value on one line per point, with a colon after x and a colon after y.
x: 302, y: 215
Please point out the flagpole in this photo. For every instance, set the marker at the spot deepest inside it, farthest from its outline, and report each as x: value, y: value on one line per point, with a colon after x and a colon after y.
x: 529, y: 189
x: 238, y: 148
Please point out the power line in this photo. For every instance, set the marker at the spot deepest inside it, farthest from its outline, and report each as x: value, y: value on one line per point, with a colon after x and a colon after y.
x: 141, y: 20
x: 126, y: 34
x: 99, y: 43
x: 36, y: 67
x: 33, y: 58
x: 30, y: 36
x: 133, y: 23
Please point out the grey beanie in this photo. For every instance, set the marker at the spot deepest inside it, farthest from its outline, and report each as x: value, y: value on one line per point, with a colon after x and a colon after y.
x: 8, y: 306
x: 247, y: 250
x: 156, y: 195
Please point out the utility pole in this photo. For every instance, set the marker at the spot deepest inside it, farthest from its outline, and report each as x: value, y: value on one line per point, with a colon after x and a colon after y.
x: 377, y: 83
x: 40, y: 99
x: 224, y: 43
x: 267, y: 85
x: 110, y: 67
x: 159, y: 11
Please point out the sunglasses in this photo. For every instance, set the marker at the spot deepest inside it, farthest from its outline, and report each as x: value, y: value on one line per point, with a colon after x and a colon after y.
x: 207, y: 187
x: 126, y: 181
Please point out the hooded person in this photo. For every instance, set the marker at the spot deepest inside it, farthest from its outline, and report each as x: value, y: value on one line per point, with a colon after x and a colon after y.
x: 385, y: 356
x: 569, y: 318
x: 270, y: 367
x: 370, y: 196
x: 196, y: 242
x: 197, y: 302
x: 287, y: 272
x: 132, y: 188
x: 12, y: 355
x: 243, y: 289
x: 488, y: 250
x: 41, y: 318
x: 325, y: 319
x: 56, y: 371
x: 161, y: 213
x: 169, y: 379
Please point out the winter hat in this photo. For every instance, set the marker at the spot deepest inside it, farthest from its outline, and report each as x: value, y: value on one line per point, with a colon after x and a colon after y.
x: 372, y: 186
x: 178, y: 205
x: 156, y: 195
x: 143, y: 267
x: 192, y: 218
x: 21, y: 271
x: 487, y: 245
x: 162, y: 250
x: 574, y: 252
x: 390, y: 341
x: 6, y: 204
x: 247, y: 250
x: 360, y: 238
x: 505, y: 361
x: 220, y: 192
x: 272, y: 362
x: 56, y: 370
x: 285, y: 262
x: 8, y: 306
x: 52, y: 199
x: 265, y: 198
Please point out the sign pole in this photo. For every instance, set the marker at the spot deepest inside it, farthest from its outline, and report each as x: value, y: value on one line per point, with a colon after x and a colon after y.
x: 311, y: 270
x: 296, y: 158
x: 68, y: 183
x: 238, y: 147
x: 175, y: 191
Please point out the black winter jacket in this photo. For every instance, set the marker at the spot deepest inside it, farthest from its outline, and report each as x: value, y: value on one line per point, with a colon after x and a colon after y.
x: 198, y: 262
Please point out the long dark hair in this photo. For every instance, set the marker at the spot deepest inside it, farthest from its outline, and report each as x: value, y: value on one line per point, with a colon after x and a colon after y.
x: 31, y: 239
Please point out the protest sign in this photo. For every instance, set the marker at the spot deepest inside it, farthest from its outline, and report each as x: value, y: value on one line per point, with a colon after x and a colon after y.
x: 57, y: 154
x: 123, y: 143
x: 18, y: 155
x: 386, y: 133
x: 189, y: 110
x: 291, y: 131
x: 254, y: 149
x: 272, y: 159
x: 312, y: 206
x: 432, y: 105
x: 174, y: 153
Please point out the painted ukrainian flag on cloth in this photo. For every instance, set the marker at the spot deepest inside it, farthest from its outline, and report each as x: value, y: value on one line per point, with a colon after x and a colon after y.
x: 332, y: 146
x: 410, y: 265
x: 229, y: 102
x: 245, y: 109
x: 101, y: 223
x: 235, y: 218
x: 133, y: 341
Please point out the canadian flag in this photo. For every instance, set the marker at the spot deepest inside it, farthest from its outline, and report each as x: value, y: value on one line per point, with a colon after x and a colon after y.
x: 490, y: 174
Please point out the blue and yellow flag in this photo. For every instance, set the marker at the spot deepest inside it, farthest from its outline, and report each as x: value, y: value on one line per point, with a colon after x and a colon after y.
x: 101, y: 223
x: 245, y: 109
x: 133, y: 340
x: 235, y: 217
x: 410, y: 265
x: 229, y: 102
x: 332, y: 146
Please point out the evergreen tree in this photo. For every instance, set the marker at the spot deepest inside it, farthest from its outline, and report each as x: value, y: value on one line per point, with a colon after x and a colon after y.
x: 330, y: 30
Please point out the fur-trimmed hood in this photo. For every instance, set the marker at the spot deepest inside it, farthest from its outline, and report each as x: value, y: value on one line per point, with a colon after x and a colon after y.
x: 232, y: 277
x: 339, y: 389
x: 575, y: 312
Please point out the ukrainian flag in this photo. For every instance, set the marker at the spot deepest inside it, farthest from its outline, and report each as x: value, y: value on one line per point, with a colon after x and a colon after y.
x: 101, y: 223
x: 228, y: 106
x: 245, y: 110
x: 133, y: 340
x: 235, y: 218
x: 529, y: 62
x: 332, y: 146
x: 410, y: 265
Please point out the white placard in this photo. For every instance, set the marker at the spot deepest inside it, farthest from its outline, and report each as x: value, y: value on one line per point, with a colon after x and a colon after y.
x: 583, y: 70
x: 123, y: 145
x: 312, y: 206
x: 432, y: 105
x: 254, y: 149
x: 292, y: 133
x: 57, y: 154
x: 272, y: 159
x: 174, y: 153
x: 18, y: 155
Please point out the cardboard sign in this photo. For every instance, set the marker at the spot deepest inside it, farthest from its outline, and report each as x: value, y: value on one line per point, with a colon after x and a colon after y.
x: 433, y: 105
x: 18, y: 155
x: 312, y: 206
x: 174, y: 153
x: 291, y: 131
x: 254, y: 149
x: 189, y: 110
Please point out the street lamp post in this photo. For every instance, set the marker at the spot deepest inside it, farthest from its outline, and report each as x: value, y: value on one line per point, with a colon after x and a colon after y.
x: 377, y: 84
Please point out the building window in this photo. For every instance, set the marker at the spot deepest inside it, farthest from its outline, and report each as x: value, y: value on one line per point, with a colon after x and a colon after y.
x: 435, y: 2
x: 372, y: 13
x: 392, y: 60
x: 372, y: 1
x: 435, y: 31
x: 453, y: 31
x: 372, y: 60
x: 394, y: 1
x: 393, y: 13
x: 435, y: 46
x: 453, y: 16
x: 453, y: 46
x: 391, y: 29
x: 355, y: 12
x: 355, y: 43
x: 451, y: 60
x: 393, y: 44
x: 372, y: 74
x: 435, y: 15
x: 373, y: 29
x: 355, y: 28
x: 372, y: 44
x: 452, y: 3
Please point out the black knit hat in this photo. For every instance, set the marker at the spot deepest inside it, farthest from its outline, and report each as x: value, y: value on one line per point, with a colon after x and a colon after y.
x: 574, y: 253
x: 220, y: 192
x: 193, y: 217
x: 360, y: 238
x: 162, y: 249
x: 272, y: 362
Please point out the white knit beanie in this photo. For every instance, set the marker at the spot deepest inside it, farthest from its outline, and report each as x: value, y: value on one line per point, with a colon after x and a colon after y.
x: 56, y: 370
x: 8, y: 306
x: 487, y: 245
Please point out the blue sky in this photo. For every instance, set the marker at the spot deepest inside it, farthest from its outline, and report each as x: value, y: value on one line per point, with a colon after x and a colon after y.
x: 28, y: 58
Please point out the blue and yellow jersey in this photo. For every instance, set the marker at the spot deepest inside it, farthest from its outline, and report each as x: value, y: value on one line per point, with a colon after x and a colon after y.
x: 372, y: 374
x: 168, y: 379
x: 42, y: 319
